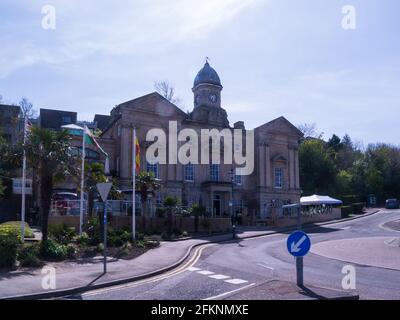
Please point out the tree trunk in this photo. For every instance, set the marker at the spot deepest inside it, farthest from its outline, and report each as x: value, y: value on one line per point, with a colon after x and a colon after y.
x: 46, y: 186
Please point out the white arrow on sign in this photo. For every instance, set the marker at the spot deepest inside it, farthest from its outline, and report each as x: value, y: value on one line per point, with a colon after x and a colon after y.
x: 295, y: 247
x: 104, y: 190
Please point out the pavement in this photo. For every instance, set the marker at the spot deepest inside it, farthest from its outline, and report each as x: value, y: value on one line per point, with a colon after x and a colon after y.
x: 27, y: 283
x: 381, y: 252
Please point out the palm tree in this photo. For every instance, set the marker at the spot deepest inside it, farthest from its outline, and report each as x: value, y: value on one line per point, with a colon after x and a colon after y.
x: 146, y: 184
x: 51, y: 155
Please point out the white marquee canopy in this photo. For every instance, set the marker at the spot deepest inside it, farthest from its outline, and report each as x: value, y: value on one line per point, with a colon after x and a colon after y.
x: 319, y: 200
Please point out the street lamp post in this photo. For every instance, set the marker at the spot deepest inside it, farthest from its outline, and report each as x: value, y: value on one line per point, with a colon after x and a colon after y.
x: 233, y: 214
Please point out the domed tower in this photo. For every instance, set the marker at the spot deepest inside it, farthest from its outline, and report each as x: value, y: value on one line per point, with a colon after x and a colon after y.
x: 207, y: 98
x: 207, y: 87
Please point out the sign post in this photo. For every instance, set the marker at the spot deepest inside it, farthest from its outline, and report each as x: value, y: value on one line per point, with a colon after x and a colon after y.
x: 104, y: 190
x: 298, y: 245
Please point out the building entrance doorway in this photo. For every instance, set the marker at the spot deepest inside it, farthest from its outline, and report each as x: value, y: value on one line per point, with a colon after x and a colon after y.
x: 217, y: 205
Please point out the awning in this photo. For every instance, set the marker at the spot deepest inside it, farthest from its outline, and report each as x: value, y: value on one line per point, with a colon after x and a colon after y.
x: 318, y: 200
x: 72, y: 127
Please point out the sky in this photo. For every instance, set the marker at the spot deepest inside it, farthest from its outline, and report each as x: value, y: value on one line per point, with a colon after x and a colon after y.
x: 290, y: 58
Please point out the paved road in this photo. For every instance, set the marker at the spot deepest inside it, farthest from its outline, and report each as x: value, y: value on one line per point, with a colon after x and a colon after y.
x: 234, y: 270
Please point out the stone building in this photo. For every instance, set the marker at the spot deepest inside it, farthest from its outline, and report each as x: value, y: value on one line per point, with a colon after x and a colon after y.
x: 274, y: 181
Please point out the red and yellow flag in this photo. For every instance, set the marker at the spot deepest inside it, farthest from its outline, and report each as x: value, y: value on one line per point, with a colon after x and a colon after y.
x: 137, y: 154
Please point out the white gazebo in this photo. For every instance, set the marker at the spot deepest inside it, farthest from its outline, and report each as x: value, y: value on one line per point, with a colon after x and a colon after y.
x: 315, y: 200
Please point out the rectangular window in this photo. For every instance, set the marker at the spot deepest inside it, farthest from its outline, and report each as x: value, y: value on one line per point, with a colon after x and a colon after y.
x: 238, y: 180
x: 214, y: 172
x: 154, y: 169
x: 66, y: 120
x: 238, y: 206
x: 278, y: 178
x: 189, y: 172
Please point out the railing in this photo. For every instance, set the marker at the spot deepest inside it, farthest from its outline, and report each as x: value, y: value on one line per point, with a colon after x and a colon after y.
x: 67, y: 208
x: 116, y: 207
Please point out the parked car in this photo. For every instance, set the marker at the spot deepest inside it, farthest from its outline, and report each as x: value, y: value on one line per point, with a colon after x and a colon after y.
x: 392, y: 204
x: 66, y: 203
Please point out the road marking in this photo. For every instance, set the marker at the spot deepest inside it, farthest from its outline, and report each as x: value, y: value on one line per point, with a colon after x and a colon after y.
x: 229, y: 292
x: 236, y: 281
x: 193, y: 269
x: 205, y: 272
x: 219, y: 277
x: 192, y: 261
x: 265, y: 266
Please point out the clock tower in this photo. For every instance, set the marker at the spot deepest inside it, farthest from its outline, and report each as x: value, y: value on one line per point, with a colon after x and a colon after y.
x: 207, y: 88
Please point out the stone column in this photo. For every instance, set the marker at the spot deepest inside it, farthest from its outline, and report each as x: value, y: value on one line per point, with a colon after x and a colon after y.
x: 292, y: 169
x: 261, y: 165
x: 296, y: 170
x: 268, y: 172
x: 126, y: 149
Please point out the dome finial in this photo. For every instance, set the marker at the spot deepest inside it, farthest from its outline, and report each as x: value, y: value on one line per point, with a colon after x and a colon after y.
x: 207, y: 59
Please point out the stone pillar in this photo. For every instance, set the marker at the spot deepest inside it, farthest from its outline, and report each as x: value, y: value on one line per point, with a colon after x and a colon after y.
x: 268, y: 172
x: 261, y: 165
x: 292, y: 169
x: 126, y: 149
x: 296, y: 170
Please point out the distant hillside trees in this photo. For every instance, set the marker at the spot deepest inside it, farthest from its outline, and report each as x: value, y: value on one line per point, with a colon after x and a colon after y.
x: 341, y: 168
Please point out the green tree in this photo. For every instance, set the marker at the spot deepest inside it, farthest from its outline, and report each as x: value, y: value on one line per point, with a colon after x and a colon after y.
x: 317, y: 168
x: 50, y: 154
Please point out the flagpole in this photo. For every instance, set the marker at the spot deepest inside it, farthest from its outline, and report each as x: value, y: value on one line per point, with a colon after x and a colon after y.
x: 82, y: 182
x: 23, y: 186
x: 134, y: 186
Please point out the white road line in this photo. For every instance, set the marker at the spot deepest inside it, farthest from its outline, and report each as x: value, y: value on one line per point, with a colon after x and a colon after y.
x: 193, y: 269
x: 205, y: 272
x: 219, y: 277
x: 229, y: 292
x: 236, y: 281
x: 265, y: 266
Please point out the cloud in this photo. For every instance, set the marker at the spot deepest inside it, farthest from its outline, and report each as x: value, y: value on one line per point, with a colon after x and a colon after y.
x: 101, y: 27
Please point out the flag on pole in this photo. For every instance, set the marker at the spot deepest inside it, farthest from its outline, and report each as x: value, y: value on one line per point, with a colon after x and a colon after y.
x: 90, y: 140
x: 137, y: 153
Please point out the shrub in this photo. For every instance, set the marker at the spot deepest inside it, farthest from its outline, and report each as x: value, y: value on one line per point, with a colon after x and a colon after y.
x: 14, y: 227
x: 71, y: 251
x: 139, y: 236
x: 52, y: 250
x: 358, y: 208
x: 31, y: 261
x: 164, y: 236
x: 100, y: 247
x: 8, y: 249
x: 184, y: 234
x: 28, y: 255
x: 61, y: 233
x: 92, y: 229
x: 346, y: 211
x: 140, y: 244
x: 83, y: 239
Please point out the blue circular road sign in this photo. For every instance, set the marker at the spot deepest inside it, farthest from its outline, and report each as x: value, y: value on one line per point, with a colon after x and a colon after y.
x: 298, y: 244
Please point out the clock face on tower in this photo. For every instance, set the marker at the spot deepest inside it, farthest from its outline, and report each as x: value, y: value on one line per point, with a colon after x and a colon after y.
x: 212, y: 97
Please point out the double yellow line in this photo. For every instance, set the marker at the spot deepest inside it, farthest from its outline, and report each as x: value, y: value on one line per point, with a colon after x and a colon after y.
x: 191, y: 262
